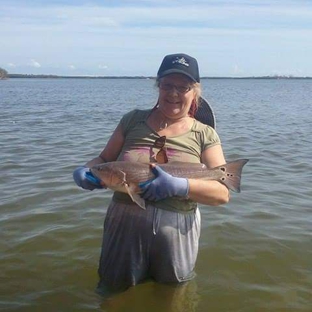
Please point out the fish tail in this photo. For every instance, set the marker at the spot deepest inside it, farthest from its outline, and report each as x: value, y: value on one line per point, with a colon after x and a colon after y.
x: 232, y: 174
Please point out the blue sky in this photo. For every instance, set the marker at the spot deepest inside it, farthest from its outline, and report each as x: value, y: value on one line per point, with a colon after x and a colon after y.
x: 228, y: 38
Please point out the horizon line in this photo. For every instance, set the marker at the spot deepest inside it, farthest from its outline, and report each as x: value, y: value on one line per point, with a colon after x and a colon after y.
x: 151, y: 77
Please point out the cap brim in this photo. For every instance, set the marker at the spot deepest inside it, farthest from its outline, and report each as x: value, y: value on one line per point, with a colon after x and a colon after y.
x: 175, y: 71
x: 205, y: 113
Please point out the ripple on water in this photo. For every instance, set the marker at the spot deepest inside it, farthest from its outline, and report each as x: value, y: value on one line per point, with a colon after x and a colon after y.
x: 255, y: 253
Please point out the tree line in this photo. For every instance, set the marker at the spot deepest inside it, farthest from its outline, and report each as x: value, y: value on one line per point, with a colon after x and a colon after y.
x: 3, y: 73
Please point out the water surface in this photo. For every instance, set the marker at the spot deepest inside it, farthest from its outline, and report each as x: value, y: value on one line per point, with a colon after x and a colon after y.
x: 255, y: 252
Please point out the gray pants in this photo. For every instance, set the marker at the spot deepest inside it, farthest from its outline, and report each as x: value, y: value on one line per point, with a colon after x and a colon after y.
x: 152, y: 243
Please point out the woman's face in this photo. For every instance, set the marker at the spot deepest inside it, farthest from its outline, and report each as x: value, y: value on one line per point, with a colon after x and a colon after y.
x: 175, y: 95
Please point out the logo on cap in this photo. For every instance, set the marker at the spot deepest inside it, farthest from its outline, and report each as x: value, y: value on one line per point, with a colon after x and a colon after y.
x: 181, y: 60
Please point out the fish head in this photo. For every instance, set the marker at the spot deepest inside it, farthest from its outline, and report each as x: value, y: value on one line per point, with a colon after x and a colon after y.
x: 113, y: 175
x: 110, y: 177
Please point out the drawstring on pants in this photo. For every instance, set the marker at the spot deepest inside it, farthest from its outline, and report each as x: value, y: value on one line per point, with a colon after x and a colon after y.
x: 155, y: 221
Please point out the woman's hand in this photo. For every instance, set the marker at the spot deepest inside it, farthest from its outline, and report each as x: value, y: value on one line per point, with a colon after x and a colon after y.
x: 85, y: 179
x: 163, y: 186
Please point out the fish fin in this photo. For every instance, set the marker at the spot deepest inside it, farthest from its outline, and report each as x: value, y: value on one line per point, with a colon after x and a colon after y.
x: 131, y: 190
x: 232, y: 174
x: 139, y: 200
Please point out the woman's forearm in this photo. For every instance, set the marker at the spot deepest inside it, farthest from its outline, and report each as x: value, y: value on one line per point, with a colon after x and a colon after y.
x: 94, y: 161
x: 211, y: 193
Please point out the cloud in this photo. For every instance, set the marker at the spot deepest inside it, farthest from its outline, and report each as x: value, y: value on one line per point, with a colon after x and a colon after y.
x: 103, y: 66
x: 34, y: 63
x: 230, y: 15
x: 11, y: 65
x: 257, y: 35
x: 237, y: 70
x: 97, y: 21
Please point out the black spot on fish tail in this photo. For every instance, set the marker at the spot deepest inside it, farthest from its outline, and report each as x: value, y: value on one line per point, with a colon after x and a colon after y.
x: 232, y: 174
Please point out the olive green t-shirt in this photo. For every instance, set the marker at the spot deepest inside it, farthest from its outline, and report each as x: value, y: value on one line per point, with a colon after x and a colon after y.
x: 186, y: 147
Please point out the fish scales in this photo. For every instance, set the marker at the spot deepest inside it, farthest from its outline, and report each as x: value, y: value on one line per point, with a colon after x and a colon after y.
x: 134, y: 171
x: 191, y: 170
x: 126, y: 176
x: 141, y: 172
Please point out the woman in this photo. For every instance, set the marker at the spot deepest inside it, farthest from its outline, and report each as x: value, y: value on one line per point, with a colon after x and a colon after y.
x: 160, y: 242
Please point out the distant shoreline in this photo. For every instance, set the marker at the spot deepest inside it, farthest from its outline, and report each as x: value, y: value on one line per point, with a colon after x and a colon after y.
x: 142, y: 77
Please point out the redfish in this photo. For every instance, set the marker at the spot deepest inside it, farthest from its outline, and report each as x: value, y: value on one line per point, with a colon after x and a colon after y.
x: 125, y: 176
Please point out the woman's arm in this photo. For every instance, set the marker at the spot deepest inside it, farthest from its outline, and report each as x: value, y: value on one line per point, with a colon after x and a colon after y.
x: 211, y: 193
x: 111, y: 150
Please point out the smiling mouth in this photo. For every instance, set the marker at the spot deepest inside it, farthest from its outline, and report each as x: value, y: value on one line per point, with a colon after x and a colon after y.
x: 173, y: 103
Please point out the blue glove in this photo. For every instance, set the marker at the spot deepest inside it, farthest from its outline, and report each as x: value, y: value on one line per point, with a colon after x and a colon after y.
x: 163, y: 186
x: 85, y: 179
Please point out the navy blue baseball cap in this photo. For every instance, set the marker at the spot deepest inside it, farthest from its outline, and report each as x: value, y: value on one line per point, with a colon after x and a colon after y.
x: 179, y: 63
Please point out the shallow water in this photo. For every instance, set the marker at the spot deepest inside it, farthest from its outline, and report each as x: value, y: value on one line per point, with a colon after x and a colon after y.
x: 255, y: 252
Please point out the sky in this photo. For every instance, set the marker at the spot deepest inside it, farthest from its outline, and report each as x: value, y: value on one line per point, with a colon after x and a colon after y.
x: 233, y: 38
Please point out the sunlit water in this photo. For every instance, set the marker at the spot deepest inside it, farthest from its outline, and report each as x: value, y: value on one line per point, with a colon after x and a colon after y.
x: 255, y: 252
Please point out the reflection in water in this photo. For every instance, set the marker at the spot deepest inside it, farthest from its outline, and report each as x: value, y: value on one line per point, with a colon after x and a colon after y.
x: 151, y: 296
x: 255, y: 253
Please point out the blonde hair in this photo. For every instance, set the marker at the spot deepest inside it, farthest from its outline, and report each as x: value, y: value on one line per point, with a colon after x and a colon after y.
x: 198, y: 92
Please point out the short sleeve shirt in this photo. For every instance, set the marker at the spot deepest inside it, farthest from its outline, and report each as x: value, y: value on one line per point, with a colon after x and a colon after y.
x: 186, y: 147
